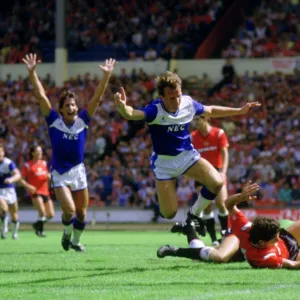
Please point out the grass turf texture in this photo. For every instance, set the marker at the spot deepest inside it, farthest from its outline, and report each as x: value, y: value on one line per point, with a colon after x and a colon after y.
x: 123, y: 265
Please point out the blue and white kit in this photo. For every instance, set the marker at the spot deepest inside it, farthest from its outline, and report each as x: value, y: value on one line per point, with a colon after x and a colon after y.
x: 7, y: 191
x: 173, y: 151
x: 68, y: 143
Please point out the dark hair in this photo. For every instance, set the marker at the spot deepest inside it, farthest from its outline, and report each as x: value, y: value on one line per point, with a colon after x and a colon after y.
x: 263, y: 229
x: 169, y: 79
x: 31, y: 150
x: 65, y: 95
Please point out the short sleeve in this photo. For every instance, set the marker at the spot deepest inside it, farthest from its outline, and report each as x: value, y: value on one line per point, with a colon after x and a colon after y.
x: 150, y: 112
x: 52, y: 116
x: 12, y: 166
x: 223, y: 139
x: 239, y: 223
x: 199, y: 108
x: 85, y: 116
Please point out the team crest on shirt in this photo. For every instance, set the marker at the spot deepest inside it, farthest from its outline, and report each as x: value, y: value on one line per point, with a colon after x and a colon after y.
x: 206, y: 143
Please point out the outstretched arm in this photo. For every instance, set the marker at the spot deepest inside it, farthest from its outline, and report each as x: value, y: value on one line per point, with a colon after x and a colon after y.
x: 214, y: 111
x: 126, y: 111
x: 107, y: 69
x: 290, y: 264
x: 246, y: 195
x: 15, y: 177
x: 31, y: 62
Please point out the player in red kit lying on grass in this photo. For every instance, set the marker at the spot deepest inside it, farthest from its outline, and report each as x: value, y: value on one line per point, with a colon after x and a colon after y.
x: 263, y: 243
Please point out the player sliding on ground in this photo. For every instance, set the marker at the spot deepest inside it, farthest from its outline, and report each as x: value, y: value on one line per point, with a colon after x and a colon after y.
x: 263, y: 243
x: 68, y: 133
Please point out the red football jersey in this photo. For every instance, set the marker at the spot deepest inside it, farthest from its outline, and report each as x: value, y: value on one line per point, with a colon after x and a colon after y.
x: 210, y: 146
x: 271, y: 257
x: 36, y: 174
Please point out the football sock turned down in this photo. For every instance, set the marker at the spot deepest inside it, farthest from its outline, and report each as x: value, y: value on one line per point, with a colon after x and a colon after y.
x: 67, y: 226
x: 78, y: 228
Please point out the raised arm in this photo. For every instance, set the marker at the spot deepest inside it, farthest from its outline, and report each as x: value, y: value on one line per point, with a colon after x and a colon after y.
x: 107, y: 69
x: 214, y: 111
x: 31, y: 62
x: 246, y: 195
x: 126, y: 111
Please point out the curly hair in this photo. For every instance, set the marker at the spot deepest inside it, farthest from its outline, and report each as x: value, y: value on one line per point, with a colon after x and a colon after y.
x: 169, y: 79
x: 263, y: 229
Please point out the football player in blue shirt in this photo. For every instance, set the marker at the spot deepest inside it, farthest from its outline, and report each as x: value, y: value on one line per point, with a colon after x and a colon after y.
x: 68, y: 131
x: 168, y: 119
x: 9, y: 174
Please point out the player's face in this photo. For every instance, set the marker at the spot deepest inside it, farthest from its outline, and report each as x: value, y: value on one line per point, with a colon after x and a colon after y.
x: 200, y: 122
x: 172, y: 98
x: 38, y: 153
x: 69, y: 110
x: 2, y: 153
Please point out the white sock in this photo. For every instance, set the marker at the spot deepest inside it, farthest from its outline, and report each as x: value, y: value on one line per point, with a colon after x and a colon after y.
x: 199, y: 205
x: 76, y: 236
x: 5, y: 224
x: 205, y: 253
x: 196, y: 244
x: 15, y: 227
x: 209, y: 216
x: 68, y: 229
x: 43, y: 219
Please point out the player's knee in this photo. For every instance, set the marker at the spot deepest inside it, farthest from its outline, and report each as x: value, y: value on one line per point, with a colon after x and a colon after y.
x: 216, y: 257
x: 80, y: 216
x: 218, y: 184
x: 169, y: 214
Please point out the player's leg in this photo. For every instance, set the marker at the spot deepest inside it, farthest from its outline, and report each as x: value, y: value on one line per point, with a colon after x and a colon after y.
x: 49, y: 208
x: 3, y: 218
x: 294, y: 230
x: 228, y: 248
x: 38, y: 226
x: 64, y: 196
x: 13, y: 211
x: 166, y: 193
x: 222, y: 210
x: 203, y: 172
x: 81, y: 200
x: 209, y: 220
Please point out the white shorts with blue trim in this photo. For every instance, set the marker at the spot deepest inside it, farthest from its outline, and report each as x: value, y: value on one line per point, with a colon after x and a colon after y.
x: 168, y: 167
x: 9, y: 195
x: 75, y: 178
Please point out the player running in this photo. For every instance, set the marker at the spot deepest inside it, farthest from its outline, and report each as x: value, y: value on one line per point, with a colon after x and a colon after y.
x: 9, y: 174
x: 35, y: 171
x: 168, y: 119
x: 68, y: 133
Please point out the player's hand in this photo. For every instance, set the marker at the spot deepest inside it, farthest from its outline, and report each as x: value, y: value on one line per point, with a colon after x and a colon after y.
x: 249, y: 190
x: 248, y: 106
x: 8, y: 181
x: 31, y: 61
x: 31, y: 189
x: 120, y: 98
x: 109, y: 65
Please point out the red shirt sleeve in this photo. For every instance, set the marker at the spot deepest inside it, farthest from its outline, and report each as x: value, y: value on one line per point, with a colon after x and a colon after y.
x: 223, y: 139
x: 239, y: 223
x: 270, y: 260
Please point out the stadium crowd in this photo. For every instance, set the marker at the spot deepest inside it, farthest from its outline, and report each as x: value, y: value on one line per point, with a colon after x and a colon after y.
x: 264, y: 146
x: 272, y: 31
x: 144, y: 29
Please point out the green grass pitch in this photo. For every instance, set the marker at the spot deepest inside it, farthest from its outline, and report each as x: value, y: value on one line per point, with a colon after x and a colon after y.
x: 123, y: 265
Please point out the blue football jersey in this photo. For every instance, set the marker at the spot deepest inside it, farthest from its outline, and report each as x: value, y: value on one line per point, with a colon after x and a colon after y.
x: 6, y: 168
x: 170, y: 131
x: 67, y: 141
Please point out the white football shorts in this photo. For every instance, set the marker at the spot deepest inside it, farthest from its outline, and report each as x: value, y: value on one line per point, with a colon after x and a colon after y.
x: 9, y: 195
x: 75, y: 178
x: 168, y: 167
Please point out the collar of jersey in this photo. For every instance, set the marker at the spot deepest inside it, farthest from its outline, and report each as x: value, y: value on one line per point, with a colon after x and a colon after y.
x: 165, y: 109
